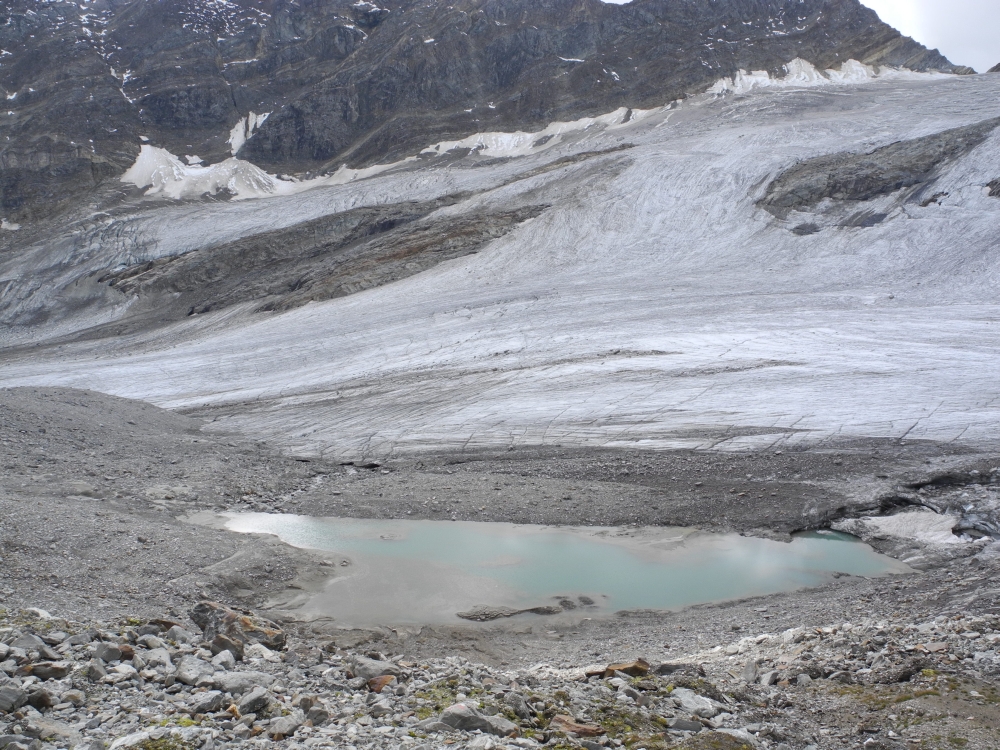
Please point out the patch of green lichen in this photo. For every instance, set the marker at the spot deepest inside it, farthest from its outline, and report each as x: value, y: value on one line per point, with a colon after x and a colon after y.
x: 166, y: 743
x: 631, y: 728
x: 439, y: 696
x: 713, y: 741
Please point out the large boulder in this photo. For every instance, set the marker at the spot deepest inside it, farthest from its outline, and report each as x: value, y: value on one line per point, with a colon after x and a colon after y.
x: 216, y: 619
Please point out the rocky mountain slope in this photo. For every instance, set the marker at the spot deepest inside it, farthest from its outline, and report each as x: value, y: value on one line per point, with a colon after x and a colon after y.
x: 304, y: 87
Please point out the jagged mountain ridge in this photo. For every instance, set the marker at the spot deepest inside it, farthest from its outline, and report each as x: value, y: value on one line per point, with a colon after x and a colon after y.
x: 356, y: 82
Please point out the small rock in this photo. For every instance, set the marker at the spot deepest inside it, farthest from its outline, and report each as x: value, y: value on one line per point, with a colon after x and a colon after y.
x: 190, y: 669
x: 518, y: 705
x: 107, y: 652
x: 260, y: 651
x: 76, y: 697
x: 254, y: 701
x: 469, y: 719
x: 150, y: 642
x: 28, y: 642
x: 42, y: 698
x: 433, y: 725
x: 803, y: 679
x: 12, y: 698
x: 207, y: 702
x: 685, y: 725
x: 130, y: 740
x: 47, y: 670
x: 96, y: 670
x: 378, y: 684
x: 224, y: 660
x: 768, y: 678
x: 318, y: 716
x: 284, y: 727
x: 238, y: 683
x: 177, y: 634
x: 695, y: 704
x: 564, y: 723
x: 222, y: 643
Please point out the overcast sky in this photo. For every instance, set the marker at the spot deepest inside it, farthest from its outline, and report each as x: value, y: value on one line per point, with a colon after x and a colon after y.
x: 966, y: 31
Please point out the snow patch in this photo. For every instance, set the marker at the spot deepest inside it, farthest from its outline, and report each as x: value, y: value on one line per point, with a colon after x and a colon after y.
x: 521, y: 143
x: 165, y: 174
x: 801, y: 73
x: 244, y: 129
x: 924, y: 526
x: 10, y: 226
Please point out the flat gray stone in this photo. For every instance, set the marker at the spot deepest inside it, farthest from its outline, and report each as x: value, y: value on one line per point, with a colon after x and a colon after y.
x: 238, y: 683
x: 205, y: 703
x: 12, y: 698
x: 190, y: 669
x: 469, y: 719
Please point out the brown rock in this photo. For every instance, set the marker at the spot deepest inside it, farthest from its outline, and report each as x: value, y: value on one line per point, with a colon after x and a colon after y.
x: 378, y: 684
x: 637, y: 668
x: 46, y: 670
x: 563, y: 723
x: 224, y: 643
x: 217, y: 619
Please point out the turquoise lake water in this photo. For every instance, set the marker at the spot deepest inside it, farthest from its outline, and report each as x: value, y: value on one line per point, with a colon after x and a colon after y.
x: 433, y: 569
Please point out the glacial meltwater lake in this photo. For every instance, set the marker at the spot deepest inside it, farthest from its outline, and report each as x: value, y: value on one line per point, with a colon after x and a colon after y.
x: 409, y: 571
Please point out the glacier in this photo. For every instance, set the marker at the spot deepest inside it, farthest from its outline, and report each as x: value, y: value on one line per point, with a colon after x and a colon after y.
x: 653, y: 305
